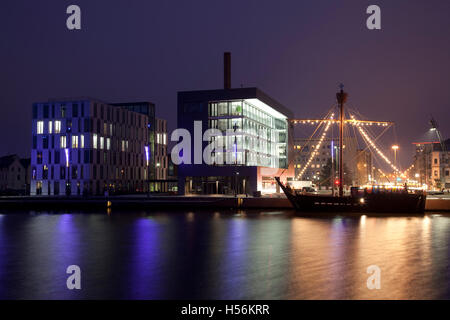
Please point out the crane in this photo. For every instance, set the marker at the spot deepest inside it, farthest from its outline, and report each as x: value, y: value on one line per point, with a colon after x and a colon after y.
x: 434, y: 127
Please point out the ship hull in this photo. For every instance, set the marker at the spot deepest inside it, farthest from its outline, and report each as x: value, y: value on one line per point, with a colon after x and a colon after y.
x: 383, y: 202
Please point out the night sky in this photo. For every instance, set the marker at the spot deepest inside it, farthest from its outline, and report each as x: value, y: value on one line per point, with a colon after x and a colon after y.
x: 296, y: 51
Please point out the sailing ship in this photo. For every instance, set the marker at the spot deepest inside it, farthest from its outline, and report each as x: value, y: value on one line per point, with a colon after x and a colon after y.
x: 377, y: 199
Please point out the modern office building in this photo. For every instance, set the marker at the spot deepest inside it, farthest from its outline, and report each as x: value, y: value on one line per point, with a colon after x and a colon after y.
x: 250, y: 145
x: 86, y: 146
x: 14, y: 175
x: 256, y: 150
x: 161, y: 159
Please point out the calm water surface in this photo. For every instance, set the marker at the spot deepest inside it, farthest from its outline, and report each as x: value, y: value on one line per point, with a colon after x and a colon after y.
x: 222, y: 255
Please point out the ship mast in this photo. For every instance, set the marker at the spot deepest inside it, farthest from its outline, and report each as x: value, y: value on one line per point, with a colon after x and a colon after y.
x: 341, y: 98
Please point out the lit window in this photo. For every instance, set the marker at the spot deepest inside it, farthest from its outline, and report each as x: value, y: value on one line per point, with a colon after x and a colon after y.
x: 50, y: 127
x: 157, y: 138
x: 123, y: 145
x: 108, y: 143
x: 81, y: 141
x: 102, y: 143
x: 63, y: 143
x: 74, y: 141
x: 40, y: 127
x: 57, y: 126
x: 164, y: 138
x: 94, y: 141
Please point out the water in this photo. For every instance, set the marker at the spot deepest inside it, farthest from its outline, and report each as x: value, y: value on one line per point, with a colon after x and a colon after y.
x: 222, y: 255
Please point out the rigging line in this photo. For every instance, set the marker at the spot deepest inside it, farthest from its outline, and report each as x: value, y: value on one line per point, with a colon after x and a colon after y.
x: 316, y: 147
x: 373, y: 136
x: 380, y: 153
x: 367, y: 143
x: 380, y: 135
x: 377, y: 160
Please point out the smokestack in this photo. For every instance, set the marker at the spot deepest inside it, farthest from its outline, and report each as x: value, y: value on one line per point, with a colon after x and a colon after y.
x: 227, y: 70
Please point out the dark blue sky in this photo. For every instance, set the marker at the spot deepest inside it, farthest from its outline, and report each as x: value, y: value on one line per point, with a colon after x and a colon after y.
x: 296, y: 51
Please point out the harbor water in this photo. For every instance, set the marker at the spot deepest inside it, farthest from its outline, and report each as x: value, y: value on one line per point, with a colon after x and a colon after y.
x: 223, y: 255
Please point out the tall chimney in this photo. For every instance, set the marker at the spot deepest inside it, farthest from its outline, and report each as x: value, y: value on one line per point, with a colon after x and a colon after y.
x: 227, y: 70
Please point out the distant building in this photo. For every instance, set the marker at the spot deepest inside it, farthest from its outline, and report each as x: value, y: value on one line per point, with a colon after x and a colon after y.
x: 14, y: 175
x: 86, y: 146
x: 303, y: 148
x: 432, y: 164
x: 365, y: 171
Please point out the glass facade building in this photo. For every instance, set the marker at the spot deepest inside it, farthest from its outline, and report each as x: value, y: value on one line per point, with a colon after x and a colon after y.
x: 246, y: 146
x: 257, y: 134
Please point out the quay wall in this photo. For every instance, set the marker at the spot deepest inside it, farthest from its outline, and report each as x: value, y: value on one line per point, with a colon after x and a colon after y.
x: 165, y: 202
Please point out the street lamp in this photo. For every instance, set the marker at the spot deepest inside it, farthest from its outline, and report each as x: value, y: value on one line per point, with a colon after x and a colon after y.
x: 395, y: 148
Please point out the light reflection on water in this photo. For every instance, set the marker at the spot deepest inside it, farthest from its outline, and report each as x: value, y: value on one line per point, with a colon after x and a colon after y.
x: 223, y: 255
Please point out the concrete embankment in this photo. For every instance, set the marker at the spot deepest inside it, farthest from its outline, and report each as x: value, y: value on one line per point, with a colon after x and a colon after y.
x: 165, y: 202
x: 437, y: 204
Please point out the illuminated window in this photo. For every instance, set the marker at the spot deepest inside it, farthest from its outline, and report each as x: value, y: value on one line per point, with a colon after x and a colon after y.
x: 102, y: 143
x: 40, y: 127
x: 74, y: 141
x: 57, y: 126
x: 62, y: 143
x: 94, y: 141
x: 50, y: 127
x: 82, y: 141
x: 123, y: 145
x: 164, y: 138
x: 108, y: 143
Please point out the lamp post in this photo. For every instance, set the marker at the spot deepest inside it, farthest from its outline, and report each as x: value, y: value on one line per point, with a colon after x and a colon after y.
x: 395, y: 148
x: 332, y: 168
x: 147, y: 161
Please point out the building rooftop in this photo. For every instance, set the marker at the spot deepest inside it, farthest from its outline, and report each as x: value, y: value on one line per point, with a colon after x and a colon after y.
x: 234, y: 94
x: 6, y: 161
